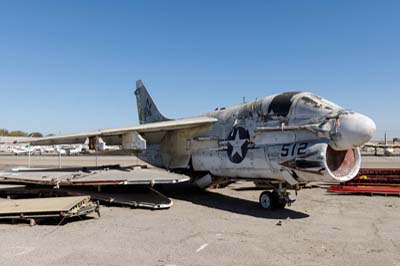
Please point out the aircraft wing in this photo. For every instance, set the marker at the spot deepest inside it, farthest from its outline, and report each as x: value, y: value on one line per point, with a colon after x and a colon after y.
x: 119, y: 132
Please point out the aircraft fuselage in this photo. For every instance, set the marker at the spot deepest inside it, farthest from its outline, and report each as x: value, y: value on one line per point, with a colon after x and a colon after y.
x: 293, y: 137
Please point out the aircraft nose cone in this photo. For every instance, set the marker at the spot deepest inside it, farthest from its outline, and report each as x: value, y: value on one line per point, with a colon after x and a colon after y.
x: 355, y: 130
x: 367, y: 129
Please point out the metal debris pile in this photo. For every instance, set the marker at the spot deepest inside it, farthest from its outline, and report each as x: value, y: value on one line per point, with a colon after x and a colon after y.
x: 380, y: 181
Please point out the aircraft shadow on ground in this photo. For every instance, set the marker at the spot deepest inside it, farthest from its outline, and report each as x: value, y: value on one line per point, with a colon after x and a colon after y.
x: 232, y: 204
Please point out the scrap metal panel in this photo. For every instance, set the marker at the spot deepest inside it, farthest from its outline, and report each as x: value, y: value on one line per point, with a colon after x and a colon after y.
x: 93, y: 176
x: 60, y: 204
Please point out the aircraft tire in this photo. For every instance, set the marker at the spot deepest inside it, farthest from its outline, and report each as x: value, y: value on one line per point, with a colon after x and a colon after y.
x: 266, y: 200
x: 277, y: 203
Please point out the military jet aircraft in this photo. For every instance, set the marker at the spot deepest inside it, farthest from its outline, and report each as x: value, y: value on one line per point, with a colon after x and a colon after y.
x: 283, y: 140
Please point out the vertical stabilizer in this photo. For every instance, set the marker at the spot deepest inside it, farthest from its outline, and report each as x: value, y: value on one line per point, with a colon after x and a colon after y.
x: 147, y: 109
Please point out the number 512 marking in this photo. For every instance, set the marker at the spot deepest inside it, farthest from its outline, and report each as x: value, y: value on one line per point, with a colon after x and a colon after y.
x: 296, y: 149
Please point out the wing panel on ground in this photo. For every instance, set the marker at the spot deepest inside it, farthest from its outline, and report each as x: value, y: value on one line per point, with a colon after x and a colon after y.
x: 94, y: 176
x: 132, y: 196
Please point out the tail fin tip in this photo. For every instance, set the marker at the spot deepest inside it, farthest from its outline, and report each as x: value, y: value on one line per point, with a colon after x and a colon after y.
x: 139, y: 84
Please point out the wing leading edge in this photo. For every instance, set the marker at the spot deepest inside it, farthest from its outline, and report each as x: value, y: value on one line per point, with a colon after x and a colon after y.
x: 145, y: 128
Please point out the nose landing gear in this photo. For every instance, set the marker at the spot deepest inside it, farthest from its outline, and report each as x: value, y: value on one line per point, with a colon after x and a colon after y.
x: 277, y: 199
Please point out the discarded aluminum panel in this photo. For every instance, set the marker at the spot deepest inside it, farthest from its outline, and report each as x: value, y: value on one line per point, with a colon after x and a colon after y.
x: 62, y: 207
x: 145, y: 197
x: 134, y: 197
x: 26, y: 192
x: 92, y: 176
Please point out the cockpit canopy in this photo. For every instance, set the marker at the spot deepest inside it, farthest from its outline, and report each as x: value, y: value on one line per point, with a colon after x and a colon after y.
x: 309, y: 107
x: 296, y: 108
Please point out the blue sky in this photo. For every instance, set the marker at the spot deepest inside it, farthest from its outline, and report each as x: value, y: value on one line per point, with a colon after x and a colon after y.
x: 72, y: 66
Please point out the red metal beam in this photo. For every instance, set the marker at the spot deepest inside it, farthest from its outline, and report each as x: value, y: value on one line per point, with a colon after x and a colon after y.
x: 365, y: 189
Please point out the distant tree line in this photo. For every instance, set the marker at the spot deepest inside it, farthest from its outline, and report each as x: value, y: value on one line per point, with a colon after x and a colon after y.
x: 18, y: 133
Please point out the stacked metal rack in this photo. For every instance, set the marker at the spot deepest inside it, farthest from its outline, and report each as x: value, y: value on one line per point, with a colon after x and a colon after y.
x: 383, y: 181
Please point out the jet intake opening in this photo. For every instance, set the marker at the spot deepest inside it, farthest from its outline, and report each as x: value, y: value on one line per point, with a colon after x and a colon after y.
x: 341, y: 163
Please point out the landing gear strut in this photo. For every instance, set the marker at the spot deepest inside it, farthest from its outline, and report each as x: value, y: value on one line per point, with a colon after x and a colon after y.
x: 277, y: 199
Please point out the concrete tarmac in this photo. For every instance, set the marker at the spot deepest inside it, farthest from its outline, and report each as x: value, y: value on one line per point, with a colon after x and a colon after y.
x: 215, y: 227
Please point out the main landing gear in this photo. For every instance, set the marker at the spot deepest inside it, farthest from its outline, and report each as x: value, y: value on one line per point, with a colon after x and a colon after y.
x: 276, y: 199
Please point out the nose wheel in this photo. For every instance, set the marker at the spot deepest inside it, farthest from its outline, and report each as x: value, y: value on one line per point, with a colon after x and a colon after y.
x: 273, y: 200
x: 266, y: 200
